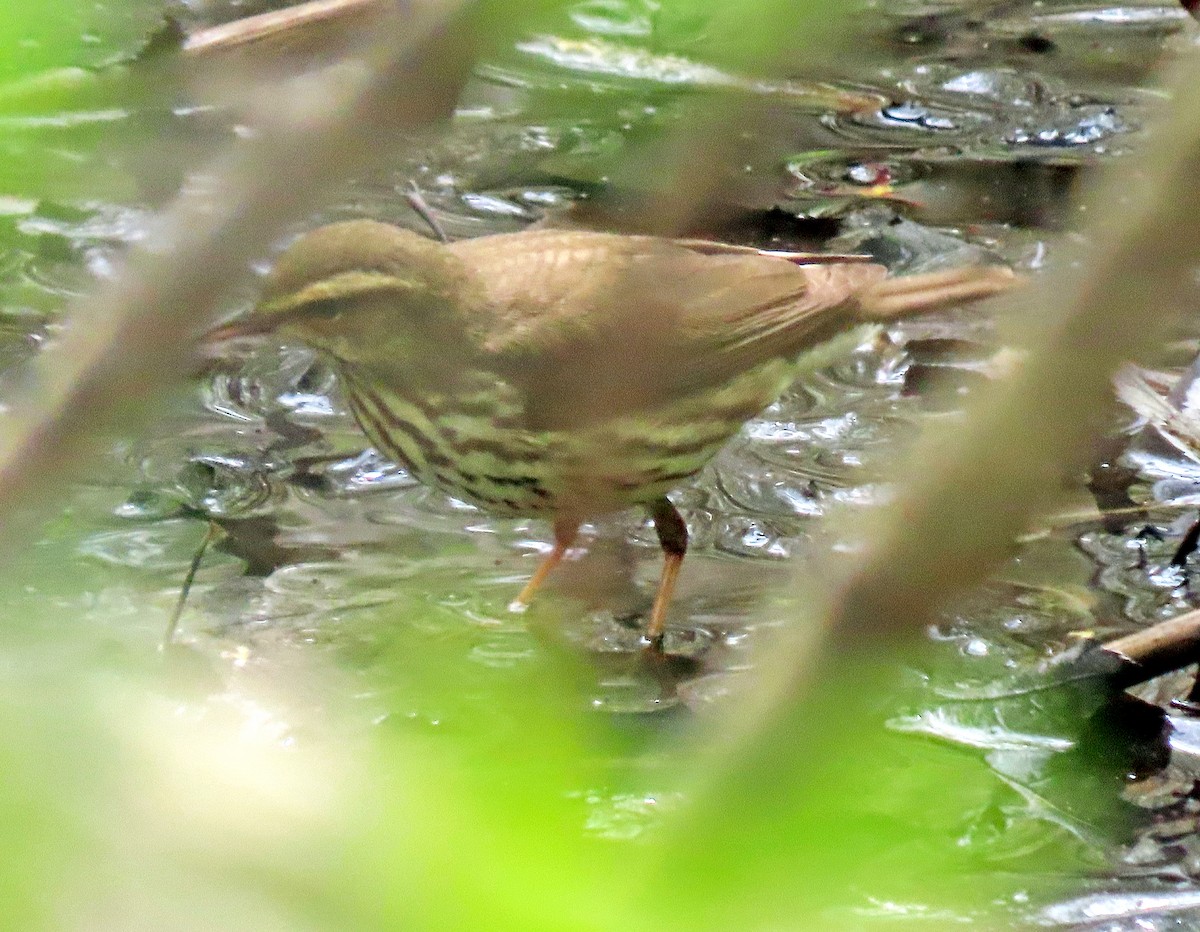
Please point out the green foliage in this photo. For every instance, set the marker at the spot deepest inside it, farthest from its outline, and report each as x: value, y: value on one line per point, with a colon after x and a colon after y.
x: 73, y: 34
x: 65, y: 99
x: 382, y: 778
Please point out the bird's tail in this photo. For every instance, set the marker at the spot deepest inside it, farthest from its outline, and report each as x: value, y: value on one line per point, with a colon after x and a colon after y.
x: 928, y: 291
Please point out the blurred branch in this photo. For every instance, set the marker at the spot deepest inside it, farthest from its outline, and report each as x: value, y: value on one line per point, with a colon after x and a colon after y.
x: 128, y: 343
x: 967, y: 491
x: 970, y: 489
x: 683, y: 182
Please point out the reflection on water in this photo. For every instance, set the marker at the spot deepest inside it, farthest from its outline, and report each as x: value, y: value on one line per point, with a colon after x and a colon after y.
x: 957, y: 137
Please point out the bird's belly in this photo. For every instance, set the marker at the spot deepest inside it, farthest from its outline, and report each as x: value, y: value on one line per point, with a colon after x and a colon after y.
x: 516, y: 472
x: 506, y: 468
x: 587, y: 472
x: 634, y: 460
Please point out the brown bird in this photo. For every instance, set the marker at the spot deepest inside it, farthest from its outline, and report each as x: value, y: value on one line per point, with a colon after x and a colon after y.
x: 569, y: 374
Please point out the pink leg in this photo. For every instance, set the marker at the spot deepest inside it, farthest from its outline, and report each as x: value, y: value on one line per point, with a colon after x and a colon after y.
x: 565, y: 532
x: 672, y: 535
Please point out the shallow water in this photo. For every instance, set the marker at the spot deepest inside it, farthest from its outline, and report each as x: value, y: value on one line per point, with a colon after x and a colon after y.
x: 990, y: 114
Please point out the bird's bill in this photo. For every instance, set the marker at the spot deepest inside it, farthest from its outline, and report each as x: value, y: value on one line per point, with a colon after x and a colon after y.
x: 249, y: 326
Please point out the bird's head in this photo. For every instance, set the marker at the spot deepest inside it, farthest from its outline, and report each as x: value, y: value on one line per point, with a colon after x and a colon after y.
x: 365, y: 293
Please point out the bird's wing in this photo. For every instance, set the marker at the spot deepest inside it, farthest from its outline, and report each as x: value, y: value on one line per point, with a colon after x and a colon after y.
x: 592, y: 322
x: 553, y: 285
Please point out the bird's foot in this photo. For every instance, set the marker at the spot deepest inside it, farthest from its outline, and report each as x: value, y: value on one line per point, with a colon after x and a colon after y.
x: 653, y: 643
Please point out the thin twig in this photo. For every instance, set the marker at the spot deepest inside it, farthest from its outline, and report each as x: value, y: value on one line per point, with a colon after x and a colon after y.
x: 416, y: 200
x: 1161, y: 648
x: 210, y: 535
x: 311, y: 22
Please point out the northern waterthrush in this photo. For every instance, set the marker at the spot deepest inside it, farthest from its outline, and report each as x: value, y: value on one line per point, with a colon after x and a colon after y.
x: 569, y: 374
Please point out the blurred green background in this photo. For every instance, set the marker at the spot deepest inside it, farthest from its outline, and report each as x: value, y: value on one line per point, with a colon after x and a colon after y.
x: 357, y: 767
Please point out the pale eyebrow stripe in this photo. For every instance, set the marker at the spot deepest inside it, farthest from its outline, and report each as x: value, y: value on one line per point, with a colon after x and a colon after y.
x: 341, y: 285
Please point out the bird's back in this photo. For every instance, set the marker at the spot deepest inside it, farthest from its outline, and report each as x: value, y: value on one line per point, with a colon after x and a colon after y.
x: 593, y: 324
